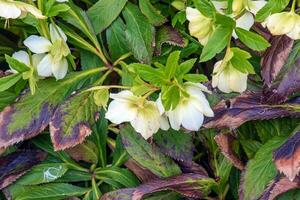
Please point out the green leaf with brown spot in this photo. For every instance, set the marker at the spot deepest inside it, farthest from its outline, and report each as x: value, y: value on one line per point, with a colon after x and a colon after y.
x: 72, y: 121
x: 31, y: 114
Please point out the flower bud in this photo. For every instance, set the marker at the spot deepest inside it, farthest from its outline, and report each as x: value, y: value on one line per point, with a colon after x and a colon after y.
x: 238, y: 6
x: 228, y: 79
x: 200, y: 26
x: 284, y: 23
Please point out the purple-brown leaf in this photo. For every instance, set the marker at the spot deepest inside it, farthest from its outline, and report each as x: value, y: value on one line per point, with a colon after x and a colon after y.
x: 185, y: 184
x: 17, y: 164
x: 225, y: 143
x: 287, y: 157
x: 247, y: 107
x: 275, y: 57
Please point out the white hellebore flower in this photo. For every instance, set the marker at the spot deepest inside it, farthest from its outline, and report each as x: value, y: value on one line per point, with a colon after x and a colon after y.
x: 284, y: 23
x: 228, y: 79
x: 200, y: 26
x: 247, y: 7
x: 190, y: 110
x: 55, y: 62
x: 11, y: 9
x: 143, y: 115
x: 23, y: 57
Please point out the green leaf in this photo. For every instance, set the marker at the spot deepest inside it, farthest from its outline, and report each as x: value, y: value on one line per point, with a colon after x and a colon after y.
x: 252, y: 40
x: 122, y: 176
x: 8, y: 81
x: 104, y: 12
x: 72, y: 120
x: 116, y: 39
x: 216, y: 43
x: 153, y: 15
x: 195, y: 78
x: 139, y: 33
x: 56, y: 9
x: 205, y: 7
x: 86, y: 151
x: 261, y: 170
x: 147, y: 156
x: 186, y: 66
x: 170, y: 97
x: 6, y: 98
x: 242, y: 64
x: 272, y: 6
x: 16, y: 65
x: 172, y: 64
x: 51, y: 191
x: 31, y: 113
x: 148, y: 73
x: 74, y: 176
x: 43, y: 173
x: 120, y: 155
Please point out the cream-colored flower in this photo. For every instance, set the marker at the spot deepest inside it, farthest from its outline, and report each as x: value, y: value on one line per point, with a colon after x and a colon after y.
x: 228, y: 79
x: 55, y: 62
x: 191, y: 110
x: 200, y: 26
x: 285, y: 23
x: 11, y: 9
x: 242, y: 12
x: 143, y: 115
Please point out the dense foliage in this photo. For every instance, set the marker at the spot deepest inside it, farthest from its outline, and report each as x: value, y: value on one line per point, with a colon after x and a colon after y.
x: 149, y: 99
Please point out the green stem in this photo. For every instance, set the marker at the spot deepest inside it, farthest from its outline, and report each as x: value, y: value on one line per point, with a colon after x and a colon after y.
x: 293, y: 6
x: 123, y: 57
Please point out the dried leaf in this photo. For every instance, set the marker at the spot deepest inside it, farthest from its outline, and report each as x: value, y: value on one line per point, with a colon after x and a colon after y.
x: 247, y: 107
x: 167, y: 35
x: 87, y: 151
x: 275, y: 57
x: 278, y: 187
x: 190, y: 185
x: 225, y: 142
x: 16, y: 164
x: 72, y: 121
x: 287, y: 157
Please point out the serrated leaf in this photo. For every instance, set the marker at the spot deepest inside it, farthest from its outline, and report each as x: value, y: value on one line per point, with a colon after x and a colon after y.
x: 116, y: 39
x: 167, y: 35
x: 252, y: 40
x: 146, y: 155
x: 272, y: 6
x: 260, y: 170
x: 43, y: 173
x: 139, y: 33
x: 104, y: 12
x: 205, y: 7
x: 186, y: 66
x: 153, y: 15
x: 31, y: 113
x: 72, y: 121
x: 149, y: 74
x: 216, y: 43
x: 170, y: 97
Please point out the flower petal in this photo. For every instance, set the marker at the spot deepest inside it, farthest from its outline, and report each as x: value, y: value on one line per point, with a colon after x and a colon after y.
x: 125, y: 96
x: 29, y: 8
x: 237, y: 81
x: 147, y: 120
x: 56, y: 33
x: 246, y: 21
x: 164, y: 123
x: 220, y: 6
x: 192, y: 118
x: 60, y: 69
x: 9, y: 10
x: 44, y: 66
x: 119, y: 112
x: 38, y: 44
x: 160, y: 105
x: 175, y: 117
x: 223, y: 83
x: 255, y: 6
x: 22, y: 56
x: 281, y: 23
x: 295, y: 32
x: 37, y: 58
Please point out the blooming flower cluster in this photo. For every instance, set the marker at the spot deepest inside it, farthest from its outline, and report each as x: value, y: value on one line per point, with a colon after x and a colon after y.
x: 147, y: 117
